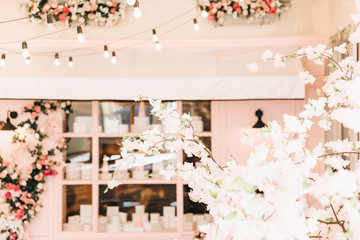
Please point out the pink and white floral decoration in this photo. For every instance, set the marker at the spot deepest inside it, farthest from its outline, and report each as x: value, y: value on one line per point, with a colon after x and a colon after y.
x: 277, y: 194
x: 26, y: 163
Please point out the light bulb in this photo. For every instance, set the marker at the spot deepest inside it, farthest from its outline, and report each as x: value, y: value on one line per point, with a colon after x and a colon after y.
x: 27, y: 60
x: 2, y: 61
x: 204, y: 13
x: 80, y: 35
x: 106, y: 52
x: 57, y: 60
x: 113, y: 58
x: 157, y: 46
x: 50, y: 22
x: 137, y: 12
x: 131, y: 2
x: 70, y: 63
x: 196, y: 25
x: 25, y: 50
x: 155, y: 36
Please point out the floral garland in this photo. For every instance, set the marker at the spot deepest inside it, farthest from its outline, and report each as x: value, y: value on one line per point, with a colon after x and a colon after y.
x: 104, y: 12
x: 241, y: 9
x: 22, y: 182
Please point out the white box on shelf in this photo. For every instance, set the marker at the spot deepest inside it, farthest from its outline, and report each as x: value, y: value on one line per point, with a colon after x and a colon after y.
x: 189, y: 226
x: 123, y: 128
x: 75, y: 219
x: 165, y: 222
x: 172, y: 222
x: 86, y: 227
x: 105, y: 176
x: 140, y: 209
x: 207, y: 217
x: 123, y: 217
x: 113, y: 227
x: 156, y: 126
x: 122, y: 175
x: 86, y: 121
x: 111, y: 125
x: 197, y: 123
x: 113, y: 219
x: 198, y: 217
x: 154, y: 217
x: 137, y: 174
x: 79, y: 127
x: 188, y: 217
x: 167, y: 126
x: 142, y: 120
x: 112, y: 211
x: 85, y: 220
x: 169, y: 211
x: 201, y: 222
x: 73, y: 171
x: 102, y: 220
x: 67, y: 227
x: 145, y: 217
x: 128, y: 227
x: 86, y: 171
x: 102, y: 227
x: 153, y: 227
x: 139, y: 128
x: 86, y: 210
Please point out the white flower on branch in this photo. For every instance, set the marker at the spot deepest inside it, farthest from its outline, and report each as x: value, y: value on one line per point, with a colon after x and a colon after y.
x: 253, y: 67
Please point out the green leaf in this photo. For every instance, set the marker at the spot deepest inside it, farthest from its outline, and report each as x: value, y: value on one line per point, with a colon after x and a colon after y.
x: 330, y: 219
x: 336, y: 89
x: 213, y: 194
x: 318, y: 92
x: 231, y: 216
x: 265, y: 130
x: 237, y: 181
x: 106, y: 190
x: 193, y: 200
x: 219, y: 182
x: 248, y: 188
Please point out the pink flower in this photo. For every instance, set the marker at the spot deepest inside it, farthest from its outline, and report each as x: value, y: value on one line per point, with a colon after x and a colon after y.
x: 114, y: 4
x: 37, y: 108
x: 3, y: 174
x: 47, y: 172
x: 17, y: 188
x: 8, y: 195
x: 9, y: 186
x: 47, y: 105
x: 42, y: 157
x: 5, y: 163
x: 19, y: 214
x: 54, y: 173
x: 39, y: 177
x: 113, y: 10
x: 34, y: 114
x: 62, y: 17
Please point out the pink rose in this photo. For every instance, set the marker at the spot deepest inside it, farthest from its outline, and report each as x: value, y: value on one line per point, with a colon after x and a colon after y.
x: 42, y: 157
x: 8, y: 195
x: 9, y: 186
x: 6, y: 163
x: 47, y: 172
x: 3, y: 174
x: 34, y: 114
x: 17, y: 188
x: 47, y: 105
x: 37, y: 108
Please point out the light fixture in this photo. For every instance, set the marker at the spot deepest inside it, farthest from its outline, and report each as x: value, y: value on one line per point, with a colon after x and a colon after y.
x: 8, y: 126
x: 204, y: 13
x: 57, y: 59
x: 196, y: 25
x: 27, y: 60
x: 155, y: 36
x: 80, y: 35
x: 70, y: 63
x: 25, y: 51
x: 3, y: 58
x: 130, y: 2
x: 259, y: 123
x: 50, y: 22
x: 106, y: 52
x: 157, y: 46
x: 113, y: 57
x: 137, y: 12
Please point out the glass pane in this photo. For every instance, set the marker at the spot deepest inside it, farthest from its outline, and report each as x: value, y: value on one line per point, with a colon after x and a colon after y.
x: 195, y: 214
x: 196, y: 160
x: 77, y: 212
x: 78, y: 165
x: 138, y: 208
x: 123, y: 117
x: 80, y: 120
x: 200, y: 112
x: 109, y: 154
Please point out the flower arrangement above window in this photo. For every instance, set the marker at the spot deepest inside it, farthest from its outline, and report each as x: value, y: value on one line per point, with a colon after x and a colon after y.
x: 104, y: 12
x: 249, y: 10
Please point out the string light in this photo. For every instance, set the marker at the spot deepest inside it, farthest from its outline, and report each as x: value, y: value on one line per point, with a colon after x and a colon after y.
x: 155, y: 36
x: 130, y: 2
x: 196, y: 25
x: 137, y: 12
x: 157, y: 46
x: 50, y: 22
x: 70, y: 63
x: 27, y: 60
x: 80, y: 35
x: 106, y: 52
x: 57, y: 60
x: 25, y: 51
x: 2, y: 61
x: 204, y: 13
x: 113, y: 58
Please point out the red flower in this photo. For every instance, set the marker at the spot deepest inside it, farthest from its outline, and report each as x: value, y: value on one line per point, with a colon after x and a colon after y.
x: 113, y: 10
x: 114, y: 4
x: 272, y: 10
x: 42, y: 157
x: 8, y: 195
x: 211, y: 18
x: 47, y: 172
x: 235, y: 6
x: 268, y: 2
x: 238, y: 10
x: 62, y: 17
x: 9, y: 186
x: 54, y: 173
x: 17, y: 188
x: 19, y: 214
x: 66, y: 10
